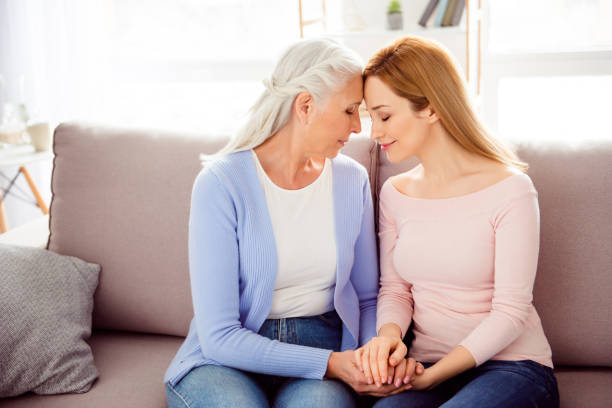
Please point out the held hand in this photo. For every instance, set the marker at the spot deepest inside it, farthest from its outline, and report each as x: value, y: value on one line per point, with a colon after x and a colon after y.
x: 425, y: 381
x: 373, y: 358
x: 341, y: 365
x: 405, y: 372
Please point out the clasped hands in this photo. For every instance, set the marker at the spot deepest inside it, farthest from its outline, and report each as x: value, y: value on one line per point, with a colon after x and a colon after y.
x: 379, y: 368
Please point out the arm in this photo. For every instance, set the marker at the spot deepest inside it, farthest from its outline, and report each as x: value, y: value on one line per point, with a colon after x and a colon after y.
x: 395, y: 304
x: 517, y: 243
x: 364, y: 274
x: 516, y: 256
x: 214, y: 273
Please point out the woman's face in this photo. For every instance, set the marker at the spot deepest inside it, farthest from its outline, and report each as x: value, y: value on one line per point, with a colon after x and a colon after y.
x: 332, y: 124
x: 398, y: 129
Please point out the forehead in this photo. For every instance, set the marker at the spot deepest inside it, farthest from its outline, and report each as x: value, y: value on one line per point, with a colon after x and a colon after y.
x: 375, y: 88
x: 351, y: 92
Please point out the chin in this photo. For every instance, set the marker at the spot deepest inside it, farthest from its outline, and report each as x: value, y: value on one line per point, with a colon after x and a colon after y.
x: 394, y: 158
x: 333, y: 153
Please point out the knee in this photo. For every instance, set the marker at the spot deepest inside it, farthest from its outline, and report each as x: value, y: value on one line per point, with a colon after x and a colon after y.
x: 315, y: 394
x: 215, y: 386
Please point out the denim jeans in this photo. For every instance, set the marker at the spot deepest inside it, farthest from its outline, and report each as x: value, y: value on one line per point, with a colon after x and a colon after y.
x: 501, y: 384
x: 218, y: 386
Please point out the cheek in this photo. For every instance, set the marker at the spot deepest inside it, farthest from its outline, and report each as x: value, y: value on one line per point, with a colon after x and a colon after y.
x: 409, y: 138
x: 324, y: 133
x: 408, y: 131
x: 335, y: 128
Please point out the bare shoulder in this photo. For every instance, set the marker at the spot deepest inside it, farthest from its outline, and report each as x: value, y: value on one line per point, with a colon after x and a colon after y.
x: 497, y: 172
x: 405, y: 182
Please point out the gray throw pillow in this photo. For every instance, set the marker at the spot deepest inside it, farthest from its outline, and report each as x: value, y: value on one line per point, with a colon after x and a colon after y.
x: 46, y: 301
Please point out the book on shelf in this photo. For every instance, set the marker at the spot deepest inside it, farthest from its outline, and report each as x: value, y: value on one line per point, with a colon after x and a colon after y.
x: 457, y: 12
x: 440, y: 13
x: 448, y: 13
x: 431, y: 6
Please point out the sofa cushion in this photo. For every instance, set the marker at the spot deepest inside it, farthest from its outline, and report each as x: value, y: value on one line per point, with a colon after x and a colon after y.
x: 121, y: 199
x: 574, y: 283
x: 46, y: 302
x: 131, y: 369
x: 584, y: 387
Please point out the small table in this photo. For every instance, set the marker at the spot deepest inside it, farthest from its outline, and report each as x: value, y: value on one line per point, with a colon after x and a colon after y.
x: 19, y: 156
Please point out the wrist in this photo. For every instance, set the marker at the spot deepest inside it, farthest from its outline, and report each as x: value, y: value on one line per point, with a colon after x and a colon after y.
x: 331, y: 365
x: 390, y: 330
x: 432, y: 377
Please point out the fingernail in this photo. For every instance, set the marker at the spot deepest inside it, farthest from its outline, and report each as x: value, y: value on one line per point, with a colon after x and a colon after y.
x: 390, y: 380
x: 378, y: 384
x: 406, y: 380
x: 392, y: 361
x: 398, y: 382
x: 409, y: 386
x: 370, y: 381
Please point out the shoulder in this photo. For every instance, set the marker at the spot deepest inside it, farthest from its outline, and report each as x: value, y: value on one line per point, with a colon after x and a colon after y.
x: 222, y: 172
x: 515, y: 182
x: 388, y: 197
x: 401, y: 182
x: 350, y: 168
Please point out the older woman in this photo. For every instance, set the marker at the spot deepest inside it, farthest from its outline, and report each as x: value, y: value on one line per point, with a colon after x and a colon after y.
x: 282, y: 249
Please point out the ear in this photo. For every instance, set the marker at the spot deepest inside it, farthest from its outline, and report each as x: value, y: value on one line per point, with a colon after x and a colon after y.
x: 429, y: 114
x: 303, y: 107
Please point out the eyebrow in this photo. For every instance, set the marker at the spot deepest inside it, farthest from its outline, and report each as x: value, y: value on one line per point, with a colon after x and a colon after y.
x: 379, y: 106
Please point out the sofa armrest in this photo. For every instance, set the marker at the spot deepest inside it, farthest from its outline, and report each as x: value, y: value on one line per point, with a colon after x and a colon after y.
x: 32, y: 234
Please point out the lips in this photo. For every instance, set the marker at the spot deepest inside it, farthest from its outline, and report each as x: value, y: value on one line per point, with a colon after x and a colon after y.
x: 342, y: 142
x: 385, y: 146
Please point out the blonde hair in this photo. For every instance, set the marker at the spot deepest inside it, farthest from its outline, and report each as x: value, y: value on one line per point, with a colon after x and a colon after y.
x: 317, y: 66
x: 421, y: 71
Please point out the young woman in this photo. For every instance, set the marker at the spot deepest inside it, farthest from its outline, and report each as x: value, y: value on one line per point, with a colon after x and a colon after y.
x: 282, y: 252
x: 459, y: 241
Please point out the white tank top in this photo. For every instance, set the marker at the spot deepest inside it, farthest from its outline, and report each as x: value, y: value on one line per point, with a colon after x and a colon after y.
x: 303, y: 224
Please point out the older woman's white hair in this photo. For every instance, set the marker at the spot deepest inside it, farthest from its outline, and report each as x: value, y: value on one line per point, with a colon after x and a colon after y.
x: 317, y: 66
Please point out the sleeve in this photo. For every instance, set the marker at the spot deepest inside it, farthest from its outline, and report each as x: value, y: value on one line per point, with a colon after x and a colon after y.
x: 395, y: 303
x: 517, y: 240
x: 364, y: 274
x: 214, y: 274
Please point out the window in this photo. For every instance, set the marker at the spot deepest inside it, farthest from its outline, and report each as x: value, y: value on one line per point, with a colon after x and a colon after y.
x: 567, y: 108
x: 548, y: 69
x: 175, y: 64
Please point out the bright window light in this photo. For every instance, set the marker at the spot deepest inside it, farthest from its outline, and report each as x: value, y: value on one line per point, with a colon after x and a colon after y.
x: 543, y: 109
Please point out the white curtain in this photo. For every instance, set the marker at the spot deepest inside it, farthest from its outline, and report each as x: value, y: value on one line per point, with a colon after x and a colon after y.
x: 180, y: 64
x: 192, y: 65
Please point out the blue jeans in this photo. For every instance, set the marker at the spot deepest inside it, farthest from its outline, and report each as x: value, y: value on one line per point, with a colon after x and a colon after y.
x: 500, y: 384
x: 218, y: 386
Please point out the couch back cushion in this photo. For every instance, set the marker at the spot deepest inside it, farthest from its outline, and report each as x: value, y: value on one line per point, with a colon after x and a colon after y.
x: 573, y: 288
x: 121, y: 199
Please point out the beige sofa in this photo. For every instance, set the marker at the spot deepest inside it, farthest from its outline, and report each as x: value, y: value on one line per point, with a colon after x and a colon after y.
x: 121, y: 199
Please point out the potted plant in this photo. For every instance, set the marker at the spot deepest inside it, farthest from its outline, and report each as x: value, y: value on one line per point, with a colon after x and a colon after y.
x: 394, y: 15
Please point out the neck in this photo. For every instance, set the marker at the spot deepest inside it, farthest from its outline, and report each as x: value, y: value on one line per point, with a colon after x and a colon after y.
x: 284, y: 154
x: 443, y: 159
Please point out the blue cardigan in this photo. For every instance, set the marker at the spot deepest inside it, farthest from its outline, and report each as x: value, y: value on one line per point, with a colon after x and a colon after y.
x: 233, y: 266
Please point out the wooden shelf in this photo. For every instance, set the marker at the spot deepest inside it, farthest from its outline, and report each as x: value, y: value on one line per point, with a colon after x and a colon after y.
x: 418, y: 30
x: 467, y: 37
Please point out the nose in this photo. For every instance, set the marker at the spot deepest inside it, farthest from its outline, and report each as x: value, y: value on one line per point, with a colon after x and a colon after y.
x: 356, y: 124
x: 375, y: 131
